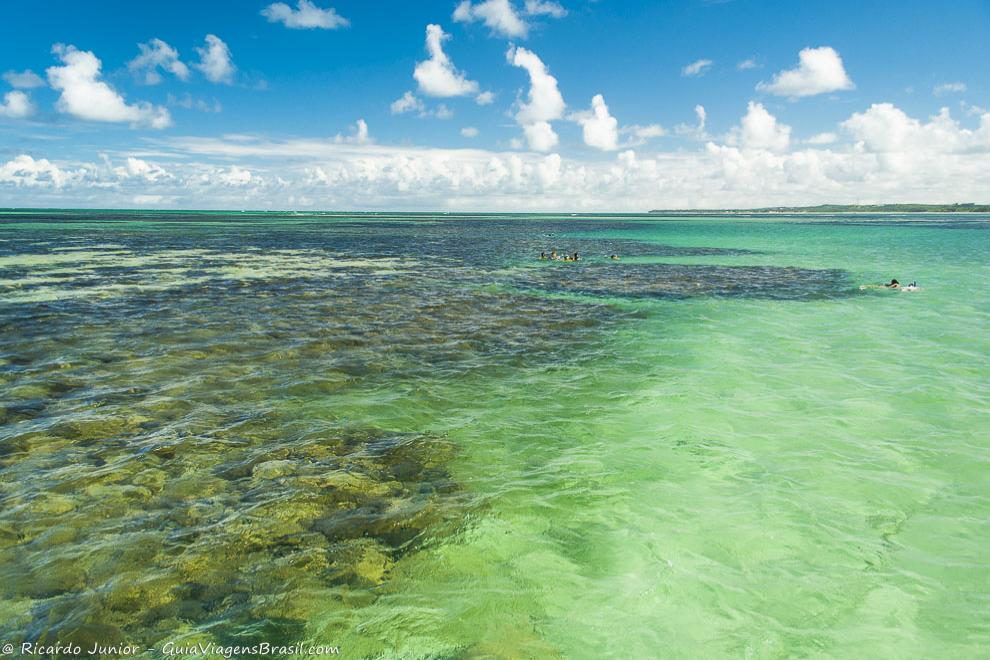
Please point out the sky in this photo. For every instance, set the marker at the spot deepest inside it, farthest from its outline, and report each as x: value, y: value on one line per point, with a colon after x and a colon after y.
x: 493, y: 105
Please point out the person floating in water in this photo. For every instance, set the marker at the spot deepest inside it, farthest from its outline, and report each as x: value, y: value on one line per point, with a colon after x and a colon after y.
x: 575, y: 257
x: 893, y: 284
x: 614, y: 257
x: 543, y: 256
x: 553, y: 255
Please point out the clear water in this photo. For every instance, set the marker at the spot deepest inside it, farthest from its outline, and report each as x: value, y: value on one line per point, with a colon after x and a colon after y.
x: 406, y: 436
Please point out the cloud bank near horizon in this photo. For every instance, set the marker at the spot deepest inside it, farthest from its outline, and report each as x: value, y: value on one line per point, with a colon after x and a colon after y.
x: 883, y: 155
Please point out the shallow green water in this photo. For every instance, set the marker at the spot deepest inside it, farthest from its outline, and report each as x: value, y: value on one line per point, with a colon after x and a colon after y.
x: 409, y: 438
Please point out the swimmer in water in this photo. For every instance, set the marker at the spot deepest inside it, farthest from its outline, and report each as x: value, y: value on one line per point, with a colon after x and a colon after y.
x: 543, y: 256
x: 575, y: 257
x: 614, y: 257
x: 553, y: 255
x: 894, y: 284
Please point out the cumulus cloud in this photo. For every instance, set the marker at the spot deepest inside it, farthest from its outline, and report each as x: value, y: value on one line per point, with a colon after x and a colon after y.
x: 499, y: 15
x: 823, y: 138
x: 437, y: 75
x: 155, y: 55
x: 819, y: 70
x: 469, y: 132
x: 84, y: 95
x: 28, y: 172
x: 636, y: 135
x: 545, y: 8
x: 306, y: 16
x: 599, y: 128
x: 890, y: 157
x: 406, y: 103
x: 234, y: 176
x: 901, y: 142
x: 760, y: 130
x: 697, y: 68
x: 540, y: 136
x: 949, y: 88
x: 16, y: 105
x: 360, y: 135
x: 485, y: 98
x: 697, y: 130
x: 544, y: 101
x: 141, y: 169
x: 26, y: 79
x: 215, y: 61
x: 502, y: 18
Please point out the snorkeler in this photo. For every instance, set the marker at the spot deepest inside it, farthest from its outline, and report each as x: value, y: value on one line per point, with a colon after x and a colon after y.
x: 575, y: 257
x: 543, y: 256
x: 553, y: 255
x: 894, y: 284
x: 614, y: 257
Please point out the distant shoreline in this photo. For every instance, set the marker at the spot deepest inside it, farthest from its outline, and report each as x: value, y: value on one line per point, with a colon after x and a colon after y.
x: 840, y: 208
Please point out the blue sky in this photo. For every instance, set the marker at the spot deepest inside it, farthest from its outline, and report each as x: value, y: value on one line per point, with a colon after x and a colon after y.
x: 837, y: 101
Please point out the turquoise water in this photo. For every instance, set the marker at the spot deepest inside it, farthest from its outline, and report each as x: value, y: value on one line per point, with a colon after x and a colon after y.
x: 408, y: 437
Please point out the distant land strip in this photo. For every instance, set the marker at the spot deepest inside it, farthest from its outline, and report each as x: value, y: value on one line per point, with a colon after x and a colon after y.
x: 846, y: 208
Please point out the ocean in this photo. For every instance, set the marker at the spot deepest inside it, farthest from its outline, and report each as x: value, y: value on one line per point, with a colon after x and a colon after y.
x: 406, y: 436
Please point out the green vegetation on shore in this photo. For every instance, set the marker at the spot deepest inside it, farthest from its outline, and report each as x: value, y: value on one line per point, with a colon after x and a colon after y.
x: 848, y: 208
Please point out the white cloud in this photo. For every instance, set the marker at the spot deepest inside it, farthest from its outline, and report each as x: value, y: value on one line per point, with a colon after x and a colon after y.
x: 637, y: 135
x: 540, y: 136
x: 360, y: 135
x: 902, y: 143
x: 235, y: 176
x: 28, y: 172
x: 949, y: 88
x: 156, y: 54
x: 749, y: 63
x: 697, y: 68
x: 544, y: 104
x: 972, y: 110
x: 437, y: 75
x: 189, y: 103
x: 485, y: 98
x: 499, y: 15
x: 760, y: 130
x: 545, y: 8
x: 599, y: 128
x: 469, y: 132
x: 890, y: 157
x: 819, y: 70
x: 147, y: 199
x: 26, y: 79
x: 306, y: 16
x: 406, y: 103
x: 696, y: 131
x: 85, y: 96
x: 823, y: 138
x: 141, y: 169
x: 215, y: 61
x: 16, y: 105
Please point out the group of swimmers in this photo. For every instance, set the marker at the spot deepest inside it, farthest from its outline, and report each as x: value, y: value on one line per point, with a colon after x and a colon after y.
x: 553, y: 256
